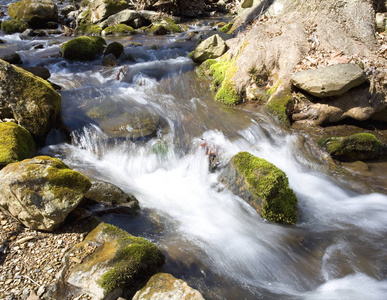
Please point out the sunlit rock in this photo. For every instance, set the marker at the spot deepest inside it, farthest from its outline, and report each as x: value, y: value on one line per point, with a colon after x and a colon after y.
x: 165, y: 286
x: 211, y: 48
x: 111, y: 260
x: 41, y: 192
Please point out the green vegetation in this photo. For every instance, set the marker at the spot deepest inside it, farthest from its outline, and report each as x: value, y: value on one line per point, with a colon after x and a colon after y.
x: 13, y: 26
x: 163, y: 26
x: 83, y: 48
x: 270, y: 185
x: 114, y: 48
x: 226, y: 28
x: 88, y: 29
x: 277, y: 107
x: 360, y: 146
x: 135, y: 260
x: 16, y: 144
x: 119, y: 29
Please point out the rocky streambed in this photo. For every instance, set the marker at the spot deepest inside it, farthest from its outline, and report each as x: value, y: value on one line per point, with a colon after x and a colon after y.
x: 244, y: 153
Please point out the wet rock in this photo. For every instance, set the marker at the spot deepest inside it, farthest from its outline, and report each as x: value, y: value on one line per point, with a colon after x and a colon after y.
x: 329, y: 81
x: 263, y: 185
x: 68, y: 9
x: 117, y: 30
x: 165, y: 286
x: 360, y: 146
x: 109, y: 60
x: 112, y: 197
x: 30, y: 100
x: 14, y: 26
x: 211, y: 48
x: 114, y: 48
x: 133, y: 18
x: 83, y: 48
x: 101, y: 9
x: 10, y: 56
x: 113, y: 260
x: 41, y: 192
x: 35, y: 12
x: 41, y: 72
x: 16, y: 144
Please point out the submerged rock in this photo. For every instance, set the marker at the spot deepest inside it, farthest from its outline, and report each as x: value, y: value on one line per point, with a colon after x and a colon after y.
x: 211, y: 48
x: 329, y: 81
x: 111, y: 260
x: 263, y: 185
x: 10, y: 56
x: 30, y: 100
x: 35, y: 12
x: 16, y: 144
x: 41, y: 72
x: 165, y: 286
x: 360, y: 146
x: 83, y: 48
x: 41, y: 192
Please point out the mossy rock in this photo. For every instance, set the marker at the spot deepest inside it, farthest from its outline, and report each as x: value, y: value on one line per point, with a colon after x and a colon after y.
x: 117, y: 30
x: 83, y: 48
x: 14, y: 26
x: 88, y: 29
x: 222, y: 72
x: 263, y: 185
x: 360, y: 146
x: 114, y: 48
x: 35, y: 12
x: 119, y: 261
x: 226, y: 28
x: 16, y: 143
x: 278, y: 107
x: 40, y: 192
x: 29, y: 99
x: 164, y: 26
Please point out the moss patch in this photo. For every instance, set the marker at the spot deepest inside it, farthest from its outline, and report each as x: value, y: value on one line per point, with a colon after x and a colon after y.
x: 16, y: 143
x: 88, y: 29
x: 83, y: 48
x: 269, y: 184
x: 226, y: 28
x: 135, y: 260
x: 14, y: 26
x: 165, y: 25
x: 119, y: 29
x: 360, y: 146
x: 278, y: 108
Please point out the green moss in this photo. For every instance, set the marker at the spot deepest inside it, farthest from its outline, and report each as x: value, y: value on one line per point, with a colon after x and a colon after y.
x: 277, y: 107
x: 115, y: 6
x: 135, y: 261
x: 119, y: 29
x: 13, y: 26
x: 114, y: 48
x: 222, y: 73
x: 88, y: 29
x: 226, y: 28
x: 83, y: 48
x: 360, y: 146
x: 204, y: 69
x: 269, y: 184
x: 163, y: 26
x: 16, y: 143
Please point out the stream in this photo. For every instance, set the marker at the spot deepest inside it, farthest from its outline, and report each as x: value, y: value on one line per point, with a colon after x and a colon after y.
x: 211, y: 238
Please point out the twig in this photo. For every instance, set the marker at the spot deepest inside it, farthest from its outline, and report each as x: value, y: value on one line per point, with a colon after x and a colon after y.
x: 25, y: 276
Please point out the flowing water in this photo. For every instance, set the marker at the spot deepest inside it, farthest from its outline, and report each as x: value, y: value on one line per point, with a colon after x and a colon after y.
x: 212, y: 238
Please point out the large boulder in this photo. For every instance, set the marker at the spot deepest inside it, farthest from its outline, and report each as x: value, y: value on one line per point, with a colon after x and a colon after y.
x: 16, y: 143
x: 101, y: 9
x: 83, y: 48
x: 360, y: 146
x: 112, y: 198
x: 263, y: 185
x: 30, y: 100
x: 111, y: 260
x: 211, y: 48
x: 35, y: 12
x: 40, y: 192
x: 329, y: 81
x: 165, y: 286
